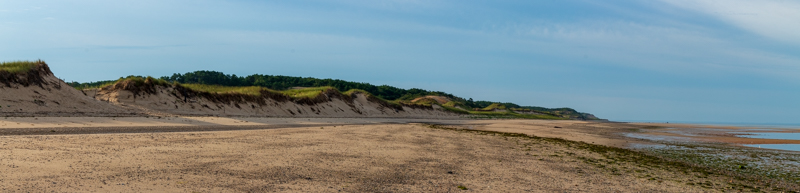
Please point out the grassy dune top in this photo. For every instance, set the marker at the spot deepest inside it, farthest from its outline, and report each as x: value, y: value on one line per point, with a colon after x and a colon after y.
x: 19, y: 66
x: 300, y: 90
x: 494, y: 106
x: 306, y: 92
x: 313, y: 92
x: 248, y: 90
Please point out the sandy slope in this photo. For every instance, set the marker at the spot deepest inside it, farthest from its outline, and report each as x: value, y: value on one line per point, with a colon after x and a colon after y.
x: 54, y: 98
x: 169, y: 102
x: 39, y: 93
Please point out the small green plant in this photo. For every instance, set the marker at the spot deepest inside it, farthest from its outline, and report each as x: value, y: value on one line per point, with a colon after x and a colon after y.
x: 494, y: 106
x: 463, y: 188
x: 305, y: 92
x: 248, y: 90
x: 91, y: 85
x: 19, y: 66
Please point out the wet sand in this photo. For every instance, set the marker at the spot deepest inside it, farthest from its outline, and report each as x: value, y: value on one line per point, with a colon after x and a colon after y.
x: 716, y: 134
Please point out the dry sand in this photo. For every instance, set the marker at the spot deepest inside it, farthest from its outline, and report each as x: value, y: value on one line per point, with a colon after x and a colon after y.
x: 315, y: 155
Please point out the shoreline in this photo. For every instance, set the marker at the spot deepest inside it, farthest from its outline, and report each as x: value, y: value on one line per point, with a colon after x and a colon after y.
x: 583, y: 144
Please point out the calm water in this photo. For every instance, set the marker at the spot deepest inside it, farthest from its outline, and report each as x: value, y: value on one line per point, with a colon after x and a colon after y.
x: 757, y: 125
x: 759, y: 135
x: 789, y: 147
x: 789, y: 136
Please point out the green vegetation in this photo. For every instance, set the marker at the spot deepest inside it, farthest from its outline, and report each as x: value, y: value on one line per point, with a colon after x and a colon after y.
x: 288, y: 82
x: 385, y: 92
x: 248, y: 90
x: 218, y: 82
x: 90, y: 85
x: 721, y: 173
x: 19, y: 66
x: 351, y: 91
x: 305, y: 92
x: 494, y: 106
x: 139, y: 80
x: 743, y: 162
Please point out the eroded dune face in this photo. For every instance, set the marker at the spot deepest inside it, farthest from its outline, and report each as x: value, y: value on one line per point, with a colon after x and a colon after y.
x: 39, y: 93
x: 175, y: 100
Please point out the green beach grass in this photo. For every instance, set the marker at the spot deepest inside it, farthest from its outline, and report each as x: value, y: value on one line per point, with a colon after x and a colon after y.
x: 305, y: 92
x: 248, y: 90
x: 19, y: 66
x: 314, y: 92
x: 494, y: 106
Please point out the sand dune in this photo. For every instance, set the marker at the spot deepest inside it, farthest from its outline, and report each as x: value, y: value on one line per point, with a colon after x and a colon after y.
x: 47, y: 95
x: 169, y: 100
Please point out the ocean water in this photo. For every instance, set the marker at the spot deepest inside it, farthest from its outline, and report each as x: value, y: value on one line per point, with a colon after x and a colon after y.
x: 788, y: 136
x: 735, y: 124
x: 756, y: 134
x: 788, y: 147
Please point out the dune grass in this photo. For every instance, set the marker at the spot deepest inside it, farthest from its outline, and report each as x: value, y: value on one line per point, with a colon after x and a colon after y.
x: 494, y: 106
x: 305, y: 92
x: 19, y: 66
x: 453, y: 104
x: 248, y: 90
x: 140, y: 80
x: 256, y: 90
x: 351, y: 91
x: 92, y: 85
x: 426, y: 102
x: 314, y: 92
x: 485, y: 113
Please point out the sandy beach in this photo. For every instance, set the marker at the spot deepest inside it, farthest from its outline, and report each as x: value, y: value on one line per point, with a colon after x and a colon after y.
x: 227, y: 154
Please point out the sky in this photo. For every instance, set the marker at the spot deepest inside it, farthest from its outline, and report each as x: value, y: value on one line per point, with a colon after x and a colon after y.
x: 735, y: 61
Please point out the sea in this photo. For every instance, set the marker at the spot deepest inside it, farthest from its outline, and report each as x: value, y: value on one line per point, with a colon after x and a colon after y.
x: 759, y: 135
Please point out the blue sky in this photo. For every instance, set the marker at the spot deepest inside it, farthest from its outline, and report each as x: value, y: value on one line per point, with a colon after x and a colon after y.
x: 647, y: 60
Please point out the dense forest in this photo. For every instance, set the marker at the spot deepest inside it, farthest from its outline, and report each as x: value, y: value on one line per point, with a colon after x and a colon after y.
x: 288, y: 82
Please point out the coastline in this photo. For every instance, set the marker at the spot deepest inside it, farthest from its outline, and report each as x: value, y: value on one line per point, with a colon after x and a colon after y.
x: 602, y: 151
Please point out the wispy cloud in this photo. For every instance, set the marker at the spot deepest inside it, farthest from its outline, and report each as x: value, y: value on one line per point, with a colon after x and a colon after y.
x: 663, y: 47
x: 607, y: 52
x: 775, y: 19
